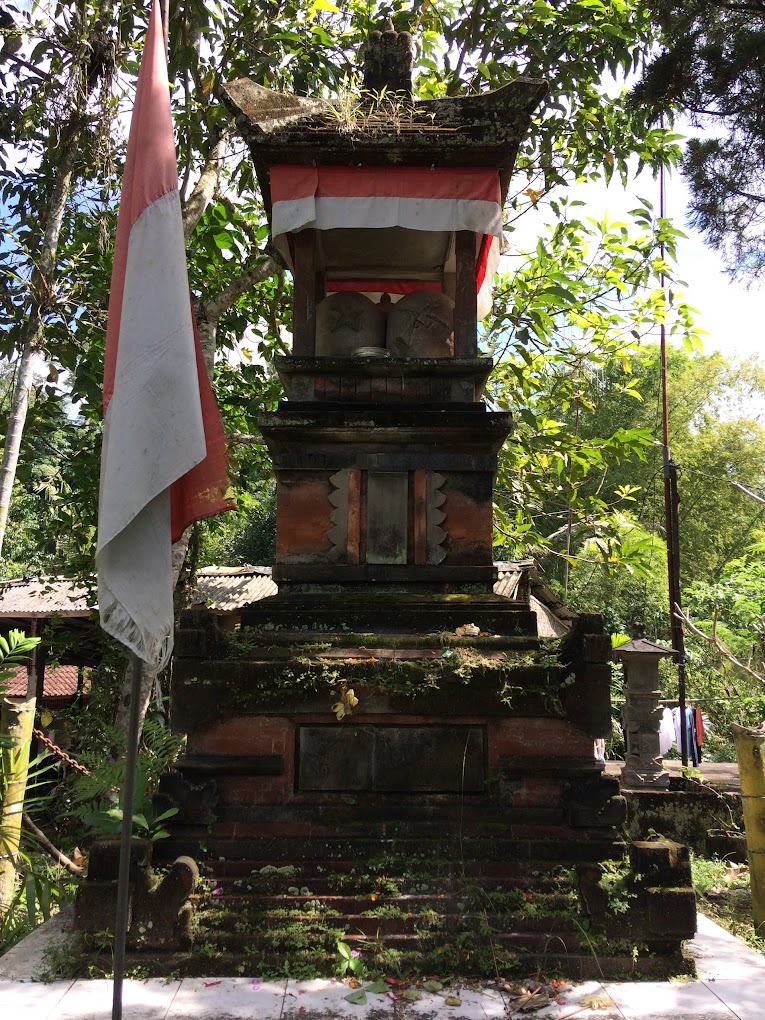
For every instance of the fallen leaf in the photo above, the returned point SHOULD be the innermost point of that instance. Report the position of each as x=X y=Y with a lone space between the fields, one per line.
x=393 y=981
x=432 y=986
x=529 y=1001
x=412 y=995
x=392 y=995
x=357 y=998
x=377 y=987
x=596 y=1002
x=211 y=984
x=452 y=1000
x=353 y=983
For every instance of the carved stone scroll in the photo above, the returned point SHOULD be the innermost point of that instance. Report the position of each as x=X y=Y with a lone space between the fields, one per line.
x=436 y=535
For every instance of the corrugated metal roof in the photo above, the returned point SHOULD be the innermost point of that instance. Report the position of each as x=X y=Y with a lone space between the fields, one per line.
x=226 y=589
x=60 y=681
x=43 y=596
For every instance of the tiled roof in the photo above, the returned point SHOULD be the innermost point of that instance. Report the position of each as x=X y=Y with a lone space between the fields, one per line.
x=43 y=596
x=227 y=589
x=518 y=579
x=60 y=681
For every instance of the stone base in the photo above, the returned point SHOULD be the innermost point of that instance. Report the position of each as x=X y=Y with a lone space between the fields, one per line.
x=644 y=779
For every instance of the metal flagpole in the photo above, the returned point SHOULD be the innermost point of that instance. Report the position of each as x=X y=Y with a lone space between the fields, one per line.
x=671 y=522
x=128 y=796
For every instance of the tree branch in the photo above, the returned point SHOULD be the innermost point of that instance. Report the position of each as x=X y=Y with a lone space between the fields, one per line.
x=713 y=640
x=50 y=849
x=264 y=267
x=205 y=188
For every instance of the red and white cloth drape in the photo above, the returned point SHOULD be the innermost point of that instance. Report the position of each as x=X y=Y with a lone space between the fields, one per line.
x=417 y=198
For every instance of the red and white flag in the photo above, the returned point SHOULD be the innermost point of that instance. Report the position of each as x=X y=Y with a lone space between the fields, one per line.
x=163 y=463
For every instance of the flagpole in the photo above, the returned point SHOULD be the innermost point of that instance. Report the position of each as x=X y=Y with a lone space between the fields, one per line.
x=128 y=797
x=164 y=10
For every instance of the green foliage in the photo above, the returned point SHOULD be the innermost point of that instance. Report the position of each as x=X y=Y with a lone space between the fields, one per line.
x=14 y=651
x=724 y=893
x=348 y=961
x=573 y=314
x=710 y=67
x=246 y=536
x=96 y=798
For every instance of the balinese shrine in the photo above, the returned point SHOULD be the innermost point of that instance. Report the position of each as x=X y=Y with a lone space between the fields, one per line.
x=385 y=753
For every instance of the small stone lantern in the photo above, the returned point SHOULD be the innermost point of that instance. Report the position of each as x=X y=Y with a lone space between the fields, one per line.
x=643 y=766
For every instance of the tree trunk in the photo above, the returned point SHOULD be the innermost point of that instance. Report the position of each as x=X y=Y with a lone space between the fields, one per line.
x=15 y=429
x=16 y=721
x=42 y=293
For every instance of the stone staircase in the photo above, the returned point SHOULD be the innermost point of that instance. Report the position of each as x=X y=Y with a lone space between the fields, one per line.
x=488 y=906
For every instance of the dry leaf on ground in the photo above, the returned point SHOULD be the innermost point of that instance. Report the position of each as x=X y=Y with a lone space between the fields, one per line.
x=596 y=1002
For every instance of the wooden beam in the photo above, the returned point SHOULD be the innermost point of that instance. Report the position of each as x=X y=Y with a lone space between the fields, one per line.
x=465 y=297
x=304 y=295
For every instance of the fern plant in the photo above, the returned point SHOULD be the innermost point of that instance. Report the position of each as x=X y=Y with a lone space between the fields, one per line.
x=97 y=797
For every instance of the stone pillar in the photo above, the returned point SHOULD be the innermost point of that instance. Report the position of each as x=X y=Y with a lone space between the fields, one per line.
x=643 y=766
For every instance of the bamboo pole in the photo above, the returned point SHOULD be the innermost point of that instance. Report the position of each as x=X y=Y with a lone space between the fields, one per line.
x=750 y=751
x=16 y=721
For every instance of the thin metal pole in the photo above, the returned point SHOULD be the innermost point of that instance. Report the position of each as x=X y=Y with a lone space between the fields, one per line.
x=128 y=796
x=671 y=517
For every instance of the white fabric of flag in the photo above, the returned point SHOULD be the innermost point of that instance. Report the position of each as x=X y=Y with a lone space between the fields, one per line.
x=154 y=431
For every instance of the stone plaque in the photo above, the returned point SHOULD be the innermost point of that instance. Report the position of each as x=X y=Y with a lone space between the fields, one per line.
x=391 y=759
x=387 y=516
x=335 y=758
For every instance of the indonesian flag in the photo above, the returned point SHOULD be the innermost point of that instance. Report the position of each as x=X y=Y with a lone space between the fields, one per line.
x=163 y=463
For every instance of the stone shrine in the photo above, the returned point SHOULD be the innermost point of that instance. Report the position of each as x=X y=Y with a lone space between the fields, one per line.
x=387 y=707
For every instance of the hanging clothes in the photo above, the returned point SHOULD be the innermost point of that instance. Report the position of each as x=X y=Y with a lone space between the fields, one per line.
x=690 y=734
x=666 y=731
x=698 y=726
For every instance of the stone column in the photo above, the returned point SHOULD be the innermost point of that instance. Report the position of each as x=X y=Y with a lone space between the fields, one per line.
x=643 y=766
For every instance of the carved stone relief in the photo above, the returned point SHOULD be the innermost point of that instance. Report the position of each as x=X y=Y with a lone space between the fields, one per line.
x=421 y=325
x=345 y=322
x=436 y=535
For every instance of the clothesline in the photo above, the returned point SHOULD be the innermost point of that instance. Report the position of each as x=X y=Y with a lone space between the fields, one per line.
x=674 y=701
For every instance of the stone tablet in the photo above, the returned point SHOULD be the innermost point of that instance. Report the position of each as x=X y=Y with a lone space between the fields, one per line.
x=345 y=322
x=421 y=325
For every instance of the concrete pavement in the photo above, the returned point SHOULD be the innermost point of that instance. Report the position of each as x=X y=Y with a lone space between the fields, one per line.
x=731 y=985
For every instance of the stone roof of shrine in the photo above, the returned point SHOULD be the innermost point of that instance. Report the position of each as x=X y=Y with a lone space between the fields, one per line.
x=483 y=130
x=472 y=130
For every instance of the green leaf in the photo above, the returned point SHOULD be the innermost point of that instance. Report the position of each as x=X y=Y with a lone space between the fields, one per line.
x=412 y=995
x=378 y=987
x=357 y=997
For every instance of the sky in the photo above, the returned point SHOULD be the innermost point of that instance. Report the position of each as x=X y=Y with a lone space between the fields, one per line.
x=731 y=313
